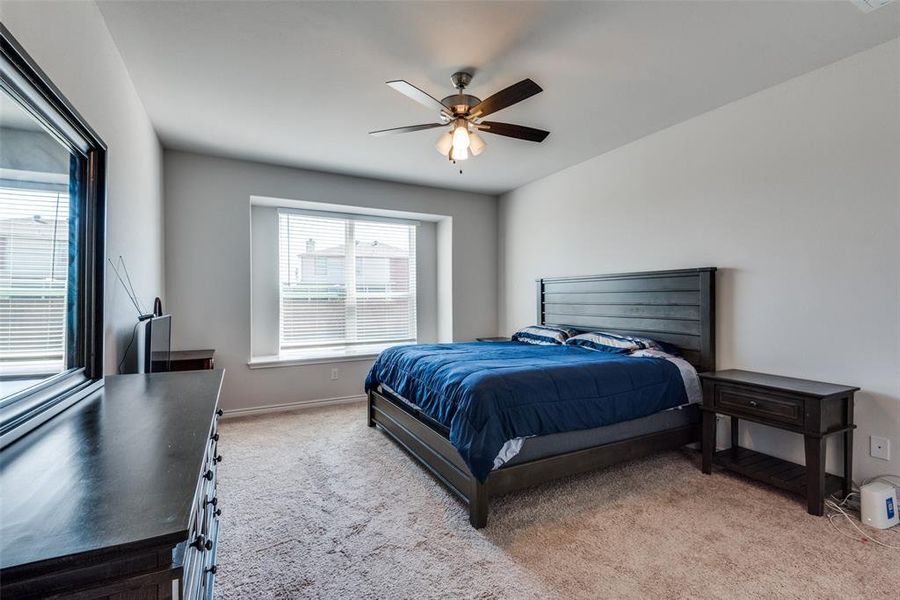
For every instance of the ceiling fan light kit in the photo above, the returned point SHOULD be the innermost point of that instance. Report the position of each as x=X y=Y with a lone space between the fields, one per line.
x=476 y=144
x=463 y=114
x=444 y=144
x=460 y=135
x=458 y=154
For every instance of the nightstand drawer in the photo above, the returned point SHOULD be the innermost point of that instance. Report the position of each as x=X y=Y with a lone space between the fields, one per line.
x=765 y=406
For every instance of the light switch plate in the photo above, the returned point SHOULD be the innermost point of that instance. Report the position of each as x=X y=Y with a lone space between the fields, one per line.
x=879 y=447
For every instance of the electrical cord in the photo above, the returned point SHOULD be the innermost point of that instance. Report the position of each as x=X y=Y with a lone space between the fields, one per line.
x=128 y=347
x=846 y=500
x=838 y=507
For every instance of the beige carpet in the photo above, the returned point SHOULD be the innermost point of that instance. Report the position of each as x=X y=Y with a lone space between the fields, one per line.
x=317 y=505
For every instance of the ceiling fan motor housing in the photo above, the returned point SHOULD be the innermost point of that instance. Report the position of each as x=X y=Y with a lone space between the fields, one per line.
x=461 y=79
x=460 y=103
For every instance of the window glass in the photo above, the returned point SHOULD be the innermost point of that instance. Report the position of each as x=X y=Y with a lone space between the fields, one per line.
x=38 y=238
x=345 y=280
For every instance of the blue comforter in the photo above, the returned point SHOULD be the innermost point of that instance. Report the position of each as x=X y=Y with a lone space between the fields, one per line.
x=487 y=393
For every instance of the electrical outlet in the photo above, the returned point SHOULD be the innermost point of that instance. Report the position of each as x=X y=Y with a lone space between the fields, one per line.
x=879 y=447
x=334 y=374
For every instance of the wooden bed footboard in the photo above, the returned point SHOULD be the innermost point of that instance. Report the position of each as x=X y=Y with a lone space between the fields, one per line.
x=436 y=453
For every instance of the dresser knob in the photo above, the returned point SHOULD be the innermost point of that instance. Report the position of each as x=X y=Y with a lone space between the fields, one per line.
x=201 y=543
x=214 y=437
x=218 y=512
x=212 y=569
x=219 y=412
x=753 y=403
x=218 y=459
x=208 y=475
x=214 y=501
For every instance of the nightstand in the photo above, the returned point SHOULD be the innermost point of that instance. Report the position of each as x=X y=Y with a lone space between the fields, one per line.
x=813 y=409
x=492 y=339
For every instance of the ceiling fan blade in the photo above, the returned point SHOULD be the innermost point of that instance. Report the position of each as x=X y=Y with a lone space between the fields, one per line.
x=506 y=97
x=406 y=129
x=514 y=131
x=414 y=93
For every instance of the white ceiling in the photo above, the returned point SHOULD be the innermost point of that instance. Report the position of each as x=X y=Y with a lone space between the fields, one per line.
x=301 y=83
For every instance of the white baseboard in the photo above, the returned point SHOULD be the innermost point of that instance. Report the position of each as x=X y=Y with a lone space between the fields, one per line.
x=298 y=405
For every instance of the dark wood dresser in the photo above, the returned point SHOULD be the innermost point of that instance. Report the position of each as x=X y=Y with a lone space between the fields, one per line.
x=814 y=409
x=115 y=498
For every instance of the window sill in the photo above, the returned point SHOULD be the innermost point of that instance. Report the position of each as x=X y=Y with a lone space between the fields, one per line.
x=318 y=356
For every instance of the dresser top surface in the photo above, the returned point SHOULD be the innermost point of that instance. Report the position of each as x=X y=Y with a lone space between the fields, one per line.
x=118 y=469
x=777 y=382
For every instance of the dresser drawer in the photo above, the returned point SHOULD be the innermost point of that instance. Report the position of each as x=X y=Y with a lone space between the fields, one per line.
x=765 y=406
x=200 y=548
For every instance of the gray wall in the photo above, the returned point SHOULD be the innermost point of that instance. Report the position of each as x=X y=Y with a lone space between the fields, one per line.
x=70 y=42
x=793 y=192
x=208 y=274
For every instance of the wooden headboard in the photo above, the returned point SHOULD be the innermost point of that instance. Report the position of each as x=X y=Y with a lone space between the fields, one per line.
x=676 y=307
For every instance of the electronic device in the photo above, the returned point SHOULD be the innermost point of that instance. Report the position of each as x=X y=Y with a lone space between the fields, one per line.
x=878 y=505
x=154 y=343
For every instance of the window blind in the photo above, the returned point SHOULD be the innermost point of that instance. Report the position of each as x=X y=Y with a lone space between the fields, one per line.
x=345 y=281
x=34 y=263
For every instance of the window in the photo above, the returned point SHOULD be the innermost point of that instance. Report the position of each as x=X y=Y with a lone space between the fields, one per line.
x=345 y=280
x=34 y=265
x=52 y=168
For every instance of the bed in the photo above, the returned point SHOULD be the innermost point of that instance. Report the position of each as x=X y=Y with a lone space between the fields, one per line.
x=489 y=418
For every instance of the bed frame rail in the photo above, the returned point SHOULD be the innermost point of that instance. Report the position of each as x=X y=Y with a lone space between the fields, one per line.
x=436 y=454
x=433 y=450
x=673 y=306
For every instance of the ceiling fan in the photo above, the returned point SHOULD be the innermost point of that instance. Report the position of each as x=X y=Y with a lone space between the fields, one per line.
x=464 y=114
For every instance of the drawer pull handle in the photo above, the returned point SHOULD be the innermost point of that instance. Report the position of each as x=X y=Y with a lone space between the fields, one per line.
x=219 y=412
x=753 y=403
x=208 y=475
x=218 y=459
x=214 y=437
x=201 y=543
x=212 y=569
